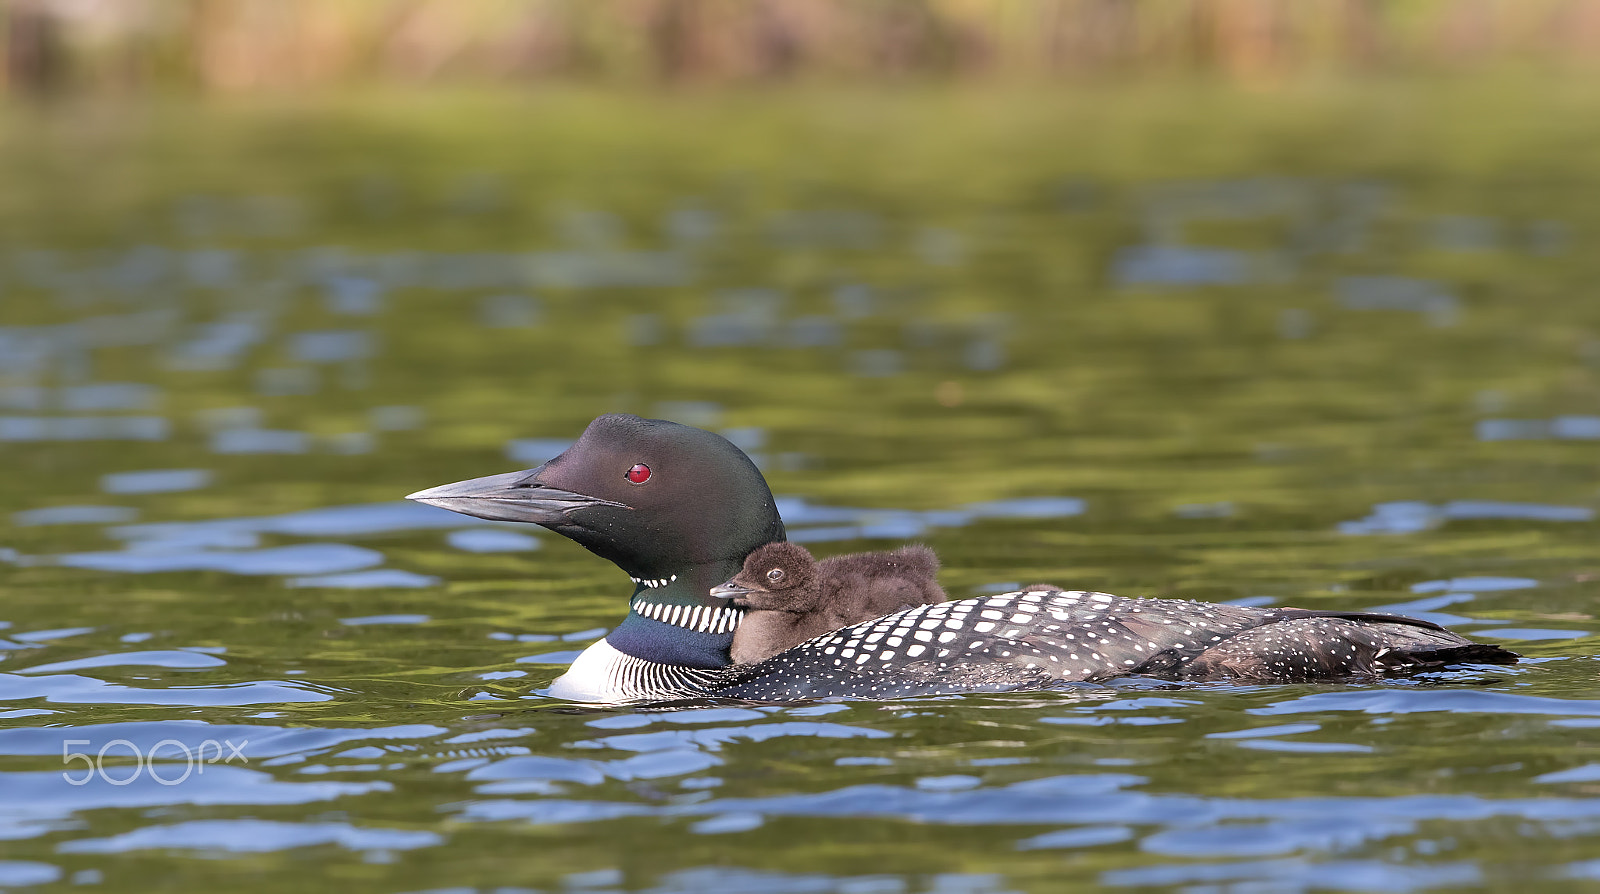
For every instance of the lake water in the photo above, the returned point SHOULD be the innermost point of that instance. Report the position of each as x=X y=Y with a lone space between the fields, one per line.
x=1334 y=348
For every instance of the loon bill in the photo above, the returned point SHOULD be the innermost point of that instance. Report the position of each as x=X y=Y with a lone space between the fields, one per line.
x=678 y=509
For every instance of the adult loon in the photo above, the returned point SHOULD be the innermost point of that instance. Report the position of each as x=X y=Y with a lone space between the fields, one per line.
x=792 y=597
x=678 y=509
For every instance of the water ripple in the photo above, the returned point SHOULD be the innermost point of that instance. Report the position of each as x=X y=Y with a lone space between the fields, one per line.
x=39 y=802
x=73 y=689
x=252 y=836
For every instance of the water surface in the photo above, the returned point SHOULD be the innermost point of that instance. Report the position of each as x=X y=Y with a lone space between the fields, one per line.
x=1312 y=350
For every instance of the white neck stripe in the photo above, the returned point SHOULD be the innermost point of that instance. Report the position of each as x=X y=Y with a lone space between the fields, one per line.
x=703 y=618
x=655 y=583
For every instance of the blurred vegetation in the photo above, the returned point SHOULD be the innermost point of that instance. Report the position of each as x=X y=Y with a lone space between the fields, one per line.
x=248 y=45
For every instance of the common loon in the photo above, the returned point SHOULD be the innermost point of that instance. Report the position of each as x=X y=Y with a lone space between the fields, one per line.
x=678 y=509
x=792 y=597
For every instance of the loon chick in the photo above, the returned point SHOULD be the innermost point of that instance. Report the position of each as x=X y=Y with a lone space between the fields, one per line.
x=793 y=597
x=678 y=509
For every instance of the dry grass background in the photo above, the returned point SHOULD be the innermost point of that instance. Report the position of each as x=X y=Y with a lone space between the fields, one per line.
x=290 y=45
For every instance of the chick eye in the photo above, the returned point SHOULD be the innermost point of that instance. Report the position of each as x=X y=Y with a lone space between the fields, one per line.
x=775 y=575
x=639 y=474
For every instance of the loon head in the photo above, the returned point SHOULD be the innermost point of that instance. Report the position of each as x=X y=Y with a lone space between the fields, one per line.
x=656 y=498
x=776 y=577
x=675 y=507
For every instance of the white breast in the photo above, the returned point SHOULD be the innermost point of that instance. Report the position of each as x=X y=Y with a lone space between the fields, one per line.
x=605 y=675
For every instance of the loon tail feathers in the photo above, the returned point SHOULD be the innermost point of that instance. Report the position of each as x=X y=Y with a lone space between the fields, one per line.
x=1312 y=645
x=1471 y=653
x=1444 y=646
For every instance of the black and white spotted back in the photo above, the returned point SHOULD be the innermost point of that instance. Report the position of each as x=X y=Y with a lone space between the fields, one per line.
x=993 y=643
x=1034 y=639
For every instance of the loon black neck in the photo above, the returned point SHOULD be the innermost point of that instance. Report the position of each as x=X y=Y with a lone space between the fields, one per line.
x=675 y=620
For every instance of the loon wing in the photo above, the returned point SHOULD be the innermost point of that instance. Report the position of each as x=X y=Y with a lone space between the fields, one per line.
x=1035 y=639
x=1023 y=640
x=1304 y=645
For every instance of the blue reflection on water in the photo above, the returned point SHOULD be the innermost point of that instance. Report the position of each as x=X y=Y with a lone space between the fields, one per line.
x=27 y=872
x=174 y=659
x=155 y=481
x=1473 y=509
x=40 y=802
x=1466 y=233
x=1028 y=507
x=252 y=836
x=353 y=295
x=726 y=823
x=563 y=657
x=1286 y=729
x=226 y=545
x=259 y=440
x=384 y=619
x=300 y=558
x=1176 y=265
x=1297 y=875
x=361 y=580
x=1410 y=701
x=1530 y=633
x=1585 y=773
x=108 y=396
x=1570 y=428
x=1084 y=836
x=1410 y=517
x=84 y=428
x=1475 y=584
x=75 y=515
x=73 y=689
x=1303 y=747
x=1078 y=799
x=331 y=346
x=218 y=345
x=35 y=636
x=492 y=540
x=1333 y=833
x=534 y=451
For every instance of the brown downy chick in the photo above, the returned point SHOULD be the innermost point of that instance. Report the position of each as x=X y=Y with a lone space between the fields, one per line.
x=792 y=597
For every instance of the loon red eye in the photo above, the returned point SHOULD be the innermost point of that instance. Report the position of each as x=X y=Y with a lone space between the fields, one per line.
x=639 y=474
